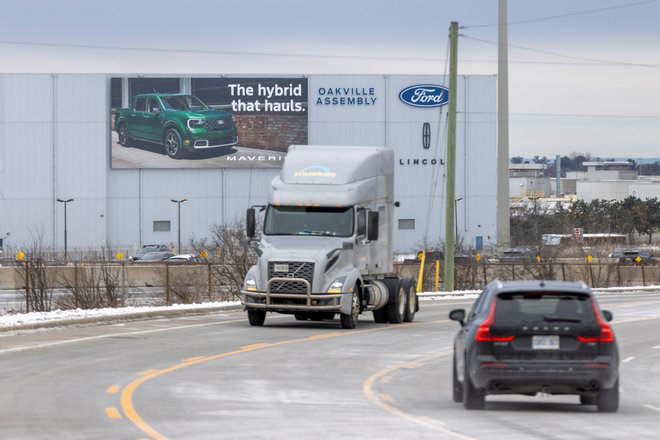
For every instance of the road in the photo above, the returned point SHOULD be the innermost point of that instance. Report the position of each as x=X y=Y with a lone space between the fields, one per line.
x=215 y=377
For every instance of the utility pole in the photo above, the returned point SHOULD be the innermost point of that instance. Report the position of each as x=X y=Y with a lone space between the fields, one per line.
x=450 y=184
x=503 y=225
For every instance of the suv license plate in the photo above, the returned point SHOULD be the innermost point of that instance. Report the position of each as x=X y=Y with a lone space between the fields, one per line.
x=545 y=342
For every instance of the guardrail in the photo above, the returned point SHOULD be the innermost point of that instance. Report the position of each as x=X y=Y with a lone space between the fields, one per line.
x=113 y=284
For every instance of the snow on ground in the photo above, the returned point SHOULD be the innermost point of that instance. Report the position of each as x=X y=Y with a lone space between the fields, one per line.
x=64 y=317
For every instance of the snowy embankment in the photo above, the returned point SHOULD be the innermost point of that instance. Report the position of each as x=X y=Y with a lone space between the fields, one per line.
x=58 y=318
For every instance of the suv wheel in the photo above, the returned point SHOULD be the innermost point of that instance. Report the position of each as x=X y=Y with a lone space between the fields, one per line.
x=608 y=399
x=472 y=397
x=457 y=389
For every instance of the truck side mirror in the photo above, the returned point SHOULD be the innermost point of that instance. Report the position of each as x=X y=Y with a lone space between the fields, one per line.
x=372 y=230
x=251 y=223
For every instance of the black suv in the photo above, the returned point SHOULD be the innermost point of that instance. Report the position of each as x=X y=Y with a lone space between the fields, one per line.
x=526 y=337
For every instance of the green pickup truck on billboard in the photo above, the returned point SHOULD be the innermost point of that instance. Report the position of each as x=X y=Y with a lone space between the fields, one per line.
x=181 y=123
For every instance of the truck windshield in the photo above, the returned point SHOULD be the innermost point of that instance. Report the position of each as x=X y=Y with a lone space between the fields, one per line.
x=299 y=220
x=182 y=102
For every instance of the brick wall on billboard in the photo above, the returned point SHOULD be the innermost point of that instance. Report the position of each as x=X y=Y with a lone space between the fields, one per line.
x=271 y=131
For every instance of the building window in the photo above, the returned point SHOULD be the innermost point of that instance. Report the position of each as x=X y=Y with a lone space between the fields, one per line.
x=161 y=226
x=406 y=223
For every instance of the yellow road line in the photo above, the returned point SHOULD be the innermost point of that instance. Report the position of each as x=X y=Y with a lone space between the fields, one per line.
x=384 y=400
x=126 y=398
x=113 y=413
x=193 y=359
x=114 y=389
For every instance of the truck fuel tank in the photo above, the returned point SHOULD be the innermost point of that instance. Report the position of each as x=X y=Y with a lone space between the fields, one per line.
x=377 y=294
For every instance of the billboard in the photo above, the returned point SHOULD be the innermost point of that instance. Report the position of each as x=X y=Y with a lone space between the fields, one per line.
x=206 y=122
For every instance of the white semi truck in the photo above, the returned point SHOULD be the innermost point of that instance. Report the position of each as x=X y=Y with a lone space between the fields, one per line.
x=326 y=243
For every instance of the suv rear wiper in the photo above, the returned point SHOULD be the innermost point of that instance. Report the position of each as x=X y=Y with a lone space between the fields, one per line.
x=551 y=318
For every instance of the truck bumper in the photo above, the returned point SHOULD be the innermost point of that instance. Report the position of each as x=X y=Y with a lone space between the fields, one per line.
x=291 y=301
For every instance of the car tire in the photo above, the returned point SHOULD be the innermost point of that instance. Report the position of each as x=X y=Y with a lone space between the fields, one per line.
x=349 y=320
x=124 y=138
x=256 y=318
x=173 y=144
x=457 y=387
x=411 y=300
x=608 y=399
x=396 y=306
x=472 y=397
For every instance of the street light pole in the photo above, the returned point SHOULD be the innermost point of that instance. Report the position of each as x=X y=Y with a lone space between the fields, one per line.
x=178 y=205
x=65 y=201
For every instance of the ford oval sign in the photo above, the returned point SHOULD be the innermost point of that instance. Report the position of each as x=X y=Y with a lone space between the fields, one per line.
x=425 y=95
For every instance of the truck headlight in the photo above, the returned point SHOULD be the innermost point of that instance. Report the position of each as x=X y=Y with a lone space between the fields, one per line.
x=337 y=285
x=194 y=124
x=251 y=284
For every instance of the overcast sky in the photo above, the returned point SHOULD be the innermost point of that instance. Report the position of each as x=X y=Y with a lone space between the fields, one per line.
x=584 y=75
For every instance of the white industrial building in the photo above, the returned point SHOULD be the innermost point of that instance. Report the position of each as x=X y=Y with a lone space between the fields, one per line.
x=55 y=143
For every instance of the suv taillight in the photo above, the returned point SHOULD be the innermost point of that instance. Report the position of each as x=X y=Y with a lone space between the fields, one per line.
x=483 y=332
x=606 y=334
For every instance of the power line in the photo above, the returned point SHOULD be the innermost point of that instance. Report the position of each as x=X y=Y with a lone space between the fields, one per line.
x=214 y=52
x=557 y=54
x=555 y=17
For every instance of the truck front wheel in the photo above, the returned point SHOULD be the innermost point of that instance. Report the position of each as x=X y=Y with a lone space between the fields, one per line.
x=256 y=317
x=350 y=320
x=173 y=144
x=124 y=138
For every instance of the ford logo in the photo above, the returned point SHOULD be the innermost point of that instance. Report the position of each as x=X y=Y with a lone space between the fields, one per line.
x=425 y=95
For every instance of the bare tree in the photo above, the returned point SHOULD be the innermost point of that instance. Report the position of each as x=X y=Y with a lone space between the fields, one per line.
x=229 y=253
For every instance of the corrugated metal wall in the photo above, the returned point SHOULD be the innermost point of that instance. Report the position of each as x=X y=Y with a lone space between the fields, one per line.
x=54 y=143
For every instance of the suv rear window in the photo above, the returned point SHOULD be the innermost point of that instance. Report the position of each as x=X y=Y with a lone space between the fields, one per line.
x=543 y=306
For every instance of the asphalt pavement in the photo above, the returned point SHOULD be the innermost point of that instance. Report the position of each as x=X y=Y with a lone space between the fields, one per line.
x=215 y=377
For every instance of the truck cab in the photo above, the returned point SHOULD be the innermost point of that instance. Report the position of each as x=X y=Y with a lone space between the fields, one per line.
x=326 y=242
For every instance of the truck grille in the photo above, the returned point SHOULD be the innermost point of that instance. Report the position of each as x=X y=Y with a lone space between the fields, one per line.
x=295 y=270
x=215 y=124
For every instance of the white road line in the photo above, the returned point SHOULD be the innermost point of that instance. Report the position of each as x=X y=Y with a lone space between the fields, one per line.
x=628 y=359
x=654 y=408
x=112 y=335
x=657 y=346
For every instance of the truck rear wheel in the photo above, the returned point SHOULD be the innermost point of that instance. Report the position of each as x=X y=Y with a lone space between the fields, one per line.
x=256 y=317
x=411 y=300
x=124 y=138
x=173 y=144
x=350 y=320
x=396 y=306
x=380 y=315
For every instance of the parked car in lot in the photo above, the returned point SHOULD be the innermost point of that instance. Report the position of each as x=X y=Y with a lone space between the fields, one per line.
x=184 y=258
x=155 y=257
x=528 y=337
x=634 y=256
x=519 y=255
x=146 y=249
